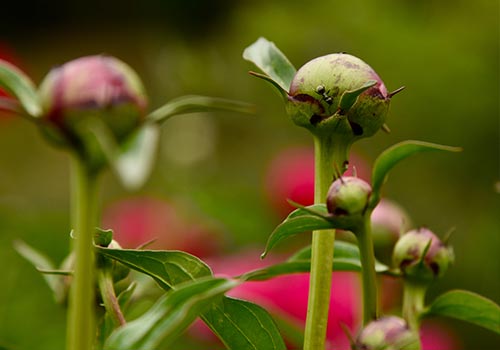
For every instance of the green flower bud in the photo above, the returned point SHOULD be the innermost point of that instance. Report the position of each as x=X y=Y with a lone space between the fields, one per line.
x=338 y=94
x=387 y=333
x=348 y=196
x=421 y=256
x=100 y=87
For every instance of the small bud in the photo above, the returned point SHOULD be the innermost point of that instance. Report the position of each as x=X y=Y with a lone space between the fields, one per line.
x=94 y=86
x=119 y=270
x=421 y=256
x=387 y=333
x=338 y=94
x=348 y=196
x=388 y=222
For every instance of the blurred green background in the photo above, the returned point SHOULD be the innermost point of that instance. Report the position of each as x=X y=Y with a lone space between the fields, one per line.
x=446 y=53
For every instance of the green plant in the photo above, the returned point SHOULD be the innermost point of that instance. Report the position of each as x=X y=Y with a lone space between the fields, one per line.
x=102 y=121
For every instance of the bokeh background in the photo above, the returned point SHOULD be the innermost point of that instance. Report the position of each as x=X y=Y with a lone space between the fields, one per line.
x=213 y=167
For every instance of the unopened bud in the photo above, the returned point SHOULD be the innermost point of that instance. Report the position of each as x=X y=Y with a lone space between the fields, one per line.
x=421 y=256
x=348 y=196
x=387 y=333
x=93 y=87
x=338 y=94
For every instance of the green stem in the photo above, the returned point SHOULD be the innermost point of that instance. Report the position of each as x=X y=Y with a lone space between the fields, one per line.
x=330 y=158
x=105 y=281
x=413 y=304
x=369 y=276
x=81 y=330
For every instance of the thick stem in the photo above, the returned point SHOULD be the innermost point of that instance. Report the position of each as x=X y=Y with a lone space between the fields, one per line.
x=369 y=276
x=105 y=281
x=81 y=332
x=413 y=304
x=330 y=158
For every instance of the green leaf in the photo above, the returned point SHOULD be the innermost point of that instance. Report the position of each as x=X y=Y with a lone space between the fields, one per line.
x=20 y=85
x=270 y=60
x=319 y=210
x=193 y=104
x=243 y=325
x=42 y=262
x=170 y=315
x=167 y=268
x=342 y=250
x=305 y=219
x=294 y=225
x=345 y=258
x=467 y=306
x=136 y=157
x=171 y=268
x=392 y=156
x=103 y=237
x=131 y=161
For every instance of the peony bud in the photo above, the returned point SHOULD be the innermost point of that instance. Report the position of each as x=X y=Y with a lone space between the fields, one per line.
x=387 y=333
x=348 y=196
x=290 y=175
x=338 y=94
x=93 y=87
x=421 y=256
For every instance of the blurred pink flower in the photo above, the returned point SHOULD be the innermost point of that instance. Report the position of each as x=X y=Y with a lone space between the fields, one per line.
x=290 y=175
x=286 y=296
x=437 y=336
x=138 y=220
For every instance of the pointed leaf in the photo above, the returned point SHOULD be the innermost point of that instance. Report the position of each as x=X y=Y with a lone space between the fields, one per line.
x=268 y=58
x=170 y=315
x=319 y=210
x=167 y=268
x=467 y=306
x=293 y=226
x=193 y=104
x=42 y=262
x=172 y=268
x=135 y=160
x=20 y=85
x=341 y=250
x=393 y=155
x=349 y=97
x=345 y=258
x=243 y=325
x=305 y=219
